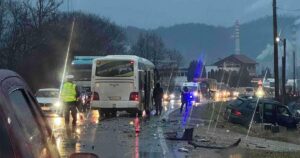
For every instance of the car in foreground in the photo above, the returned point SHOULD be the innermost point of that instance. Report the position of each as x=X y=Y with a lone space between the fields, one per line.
x=242 y=110
x=48 y=100
x=24 y=131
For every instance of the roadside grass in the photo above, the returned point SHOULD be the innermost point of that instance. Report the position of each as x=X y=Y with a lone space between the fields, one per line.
x=257 y=130
x=255 y=153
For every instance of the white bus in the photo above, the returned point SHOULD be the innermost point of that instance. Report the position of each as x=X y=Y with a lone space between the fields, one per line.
x=122 y=83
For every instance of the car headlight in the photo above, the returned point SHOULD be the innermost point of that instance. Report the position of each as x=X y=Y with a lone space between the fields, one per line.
x=235 y=94
x=195 y=94
x=172 y=96
x=57 y=104
x=166 y=96
x=260 y=93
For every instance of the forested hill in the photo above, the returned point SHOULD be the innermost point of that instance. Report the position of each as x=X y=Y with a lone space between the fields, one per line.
x=215 y=41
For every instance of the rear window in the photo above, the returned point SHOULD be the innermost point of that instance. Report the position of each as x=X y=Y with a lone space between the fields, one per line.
x=249 y=89
x=236 y=102
x=114 y=68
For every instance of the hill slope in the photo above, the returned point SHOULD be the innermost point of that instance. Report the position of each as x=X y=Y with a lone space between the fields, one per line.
x=214 y=42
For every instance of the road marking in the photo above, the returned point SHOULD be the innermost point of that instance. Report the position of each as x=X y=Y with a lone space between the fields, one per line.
x=162 y=141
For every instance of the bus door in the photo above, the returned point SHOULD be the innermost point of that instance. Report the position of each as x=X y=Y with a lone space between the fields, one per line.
x=147 y=88
x=142 y=87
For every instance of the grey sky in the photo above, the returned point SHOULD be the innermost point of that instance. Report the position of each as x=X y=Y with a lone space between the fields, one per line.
x=155 y=13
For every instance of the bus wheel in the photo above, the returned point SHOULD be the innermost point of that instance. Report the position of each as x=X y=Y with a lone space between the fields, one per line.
x=102 y=113
x=113 y=113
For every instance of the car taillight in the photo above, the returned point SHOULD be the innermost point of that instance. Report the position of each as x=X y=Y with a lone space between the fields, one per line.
x=95 y=96
x=236 y=112
x=134 y=96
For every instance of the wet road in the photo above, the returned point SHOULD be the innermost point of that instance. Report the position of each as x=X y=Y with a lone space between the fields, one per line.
x=113 y=137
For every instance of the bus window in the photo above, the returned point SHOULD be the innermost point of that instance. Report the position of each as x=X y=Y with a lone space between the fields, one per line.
x=115 y=69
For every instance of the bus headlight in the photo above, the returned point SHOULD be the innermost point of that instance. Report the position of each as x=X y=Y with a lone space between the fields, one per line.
x=57 y=104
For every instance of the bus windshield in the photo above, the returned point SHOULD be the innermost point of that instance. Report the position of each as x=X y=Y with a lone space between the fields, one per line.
x=114 y=68
x=82 y=72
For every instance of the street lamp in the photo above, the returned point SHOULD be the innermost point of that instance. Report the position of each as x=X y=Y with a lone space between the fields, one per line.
x=278 y=39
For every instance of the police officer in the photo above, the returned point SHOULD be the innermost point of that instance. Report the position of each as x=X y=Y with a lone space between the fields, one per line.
x=69 y=97
x=184 y=98
x=158 y=93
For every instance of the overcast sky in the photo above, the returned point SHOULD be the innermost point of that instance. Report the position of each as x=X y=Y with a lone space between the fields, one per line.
x=155 y=13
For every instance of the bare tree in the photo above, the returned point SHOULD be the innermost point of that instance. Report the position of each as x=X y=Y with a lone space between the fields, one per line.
x=149 y=46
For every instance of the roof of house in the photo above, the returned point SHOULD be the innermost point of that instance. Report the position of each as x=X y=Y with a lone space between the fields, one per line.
x=237 y=57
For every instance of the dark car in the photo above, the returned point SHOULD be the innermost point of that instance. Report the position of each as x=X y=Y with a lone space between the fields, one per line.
x=24 y=131
x=242 y=110
x=295 y=109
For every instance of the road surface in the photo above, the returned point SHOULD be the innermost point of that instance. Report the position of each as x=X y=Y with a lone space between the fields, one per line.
x=116 y=137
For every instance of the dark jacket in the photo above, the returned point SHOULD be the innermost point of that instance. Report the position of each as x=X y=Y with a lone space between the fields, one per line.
x=158 y=93
x=185 y=96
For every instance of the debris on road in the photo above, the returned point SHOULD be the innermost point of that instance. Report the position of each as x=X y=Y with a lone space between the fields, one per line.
x=187 y=135
x=203 y=140
x=209 y=146
x=183 y=149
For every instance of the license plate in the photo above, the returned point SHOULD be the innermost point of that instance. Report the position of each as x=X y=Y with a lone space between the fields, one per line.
x=46 y=108
x=115 y=98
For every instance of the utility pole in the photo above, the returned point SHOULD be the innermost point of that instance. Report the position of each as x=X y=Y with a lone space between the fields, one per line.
x=275 y=51
x=294 y=72
x=283 y=71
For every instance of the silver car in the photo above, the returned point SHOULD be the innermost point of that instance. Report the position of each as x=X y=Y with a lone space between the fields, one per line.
x=48 y=100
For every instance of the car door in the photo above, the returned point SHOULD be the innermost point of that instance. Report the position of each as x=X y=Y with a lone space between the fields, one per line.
x=284 y=117
x=28 y=127
x=6 y=145
x=269 y=115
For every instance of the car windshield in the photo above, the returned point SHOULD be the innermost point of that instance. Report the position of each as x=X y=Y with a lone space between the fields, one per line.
x=47 y=94
x=192 y=88
x=129 y=62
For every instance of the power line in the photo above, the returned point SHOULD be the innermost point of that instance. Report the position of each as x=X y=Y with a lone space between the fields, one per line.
x=289 y=10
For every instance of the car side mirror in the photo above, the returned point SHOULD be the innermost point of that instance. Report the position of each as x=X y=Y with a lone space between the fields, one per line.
x=84 y=155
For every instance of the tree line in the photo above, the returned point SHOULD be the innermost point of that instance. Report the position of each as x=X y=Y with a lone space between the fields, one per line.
x=34 y=36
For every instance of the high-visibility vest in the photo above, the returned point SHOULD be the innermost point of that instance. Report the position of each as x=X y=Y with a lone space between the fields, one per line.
x=68 y=93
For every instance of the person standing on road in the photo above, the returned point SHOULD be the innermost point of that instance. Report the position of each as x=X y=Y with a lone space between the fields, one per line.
x=69 y=96
x=158 y=93
x=184 y=98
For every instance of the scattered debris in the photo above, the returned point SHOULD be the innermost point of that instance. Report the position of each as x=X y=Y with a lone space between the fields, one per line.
x=260 y=146
x=203 y=140
x=209 y=146
x=183 y=149
x=227 y=130
x=187 y=135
